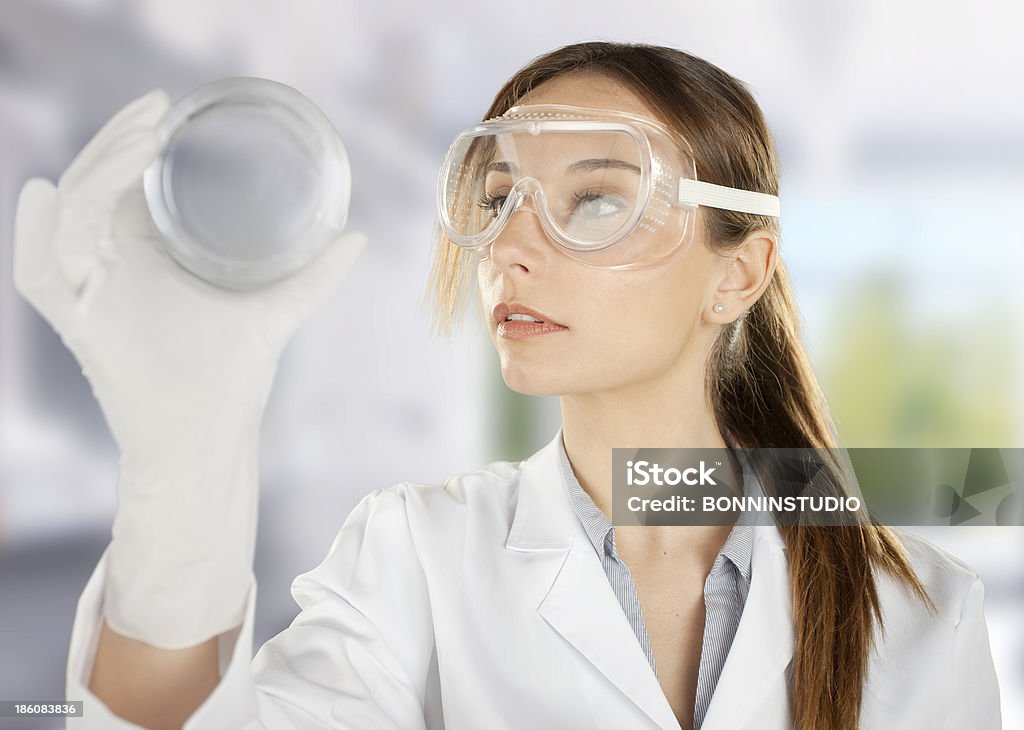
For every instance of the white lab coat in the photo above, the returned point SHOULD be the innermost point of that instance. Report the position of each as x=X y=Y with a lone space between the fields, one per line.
x=482 y=604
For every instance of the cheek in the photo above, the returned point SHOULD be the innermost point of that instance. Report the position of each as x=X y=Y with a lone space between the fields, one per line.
x=640 y=324
x=488 y=285
x=647 y=303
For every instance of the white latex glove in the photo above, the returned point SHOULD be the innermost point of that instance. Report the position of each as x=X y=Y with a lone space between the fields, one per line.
x=181 y=369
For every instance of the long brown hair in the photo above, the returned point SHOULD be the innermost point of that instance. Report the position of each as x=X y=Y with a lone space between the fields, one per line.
x=758 y=378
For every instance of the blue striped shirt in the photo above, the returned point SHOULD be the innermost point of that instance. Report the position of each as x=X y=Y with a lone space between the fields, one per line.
x=725 y=589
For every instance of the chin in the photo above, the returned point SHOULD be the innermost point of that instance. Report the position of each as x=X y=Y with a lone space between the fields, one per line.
x=538 y=384
x=548 y=382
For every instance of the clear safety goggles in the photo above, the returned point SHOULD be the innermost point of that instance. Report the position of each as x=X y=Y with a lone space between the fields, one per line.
x=611 y=189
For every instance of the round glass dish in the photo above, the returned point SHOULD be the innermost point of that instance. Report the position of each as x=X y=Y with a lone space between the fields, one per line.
x=252 y=182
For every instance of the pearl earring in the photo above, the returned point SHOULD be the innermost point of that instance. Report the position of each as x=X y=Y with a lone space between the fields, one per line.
x=719 y=308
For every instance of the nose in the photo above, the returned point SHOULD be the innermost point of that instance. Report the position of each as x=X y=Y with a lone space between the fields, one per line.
x=522 y=244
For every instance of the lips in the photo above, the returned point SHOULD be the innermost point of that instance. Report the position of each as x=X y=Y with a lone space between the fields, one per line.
x=502 y=311
x=519 y=322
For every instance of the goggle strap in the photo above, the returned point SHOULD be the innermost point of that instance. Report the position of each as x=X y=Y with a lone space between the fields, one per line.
x=697 y=192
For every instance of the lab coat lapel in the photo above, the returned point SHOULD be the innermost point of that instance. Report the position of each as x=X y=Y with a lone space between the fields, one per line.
x=755 y=672
x=582 y=607
x=580 y=604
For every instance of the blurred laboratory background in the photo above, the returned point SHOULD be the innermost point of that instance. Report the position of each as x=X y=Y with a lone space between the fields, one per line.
x=901 y=132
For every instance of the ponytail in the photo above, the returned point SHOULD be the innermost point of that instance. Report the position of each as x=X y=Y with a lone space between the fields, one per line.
x=764 y=392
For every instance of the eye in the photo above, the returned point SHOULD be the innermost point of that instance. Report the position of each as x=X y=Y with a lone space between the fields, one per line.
x=594 y=205
x=492 y=202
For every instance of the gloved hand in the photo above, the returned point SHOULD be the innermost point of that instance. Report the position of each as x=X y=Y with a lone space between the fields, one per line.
x=181 y=369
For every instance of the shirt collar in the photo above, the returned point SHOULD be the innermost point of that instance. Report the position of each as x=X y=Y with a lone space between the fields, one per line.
x=595 y=523
x=738 y=547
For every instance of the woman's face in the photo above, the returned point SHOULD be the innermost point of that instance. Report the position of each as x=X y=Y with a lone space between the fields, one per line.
x=618 y=328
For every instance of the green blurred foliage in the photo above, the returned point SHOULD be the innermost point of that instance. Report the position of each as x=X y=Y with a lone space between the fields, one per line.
x=893 y=381
x=516 y=419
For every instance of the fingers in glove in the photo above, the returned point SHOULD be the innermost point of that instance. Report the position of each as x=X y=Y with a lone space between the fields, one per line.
x=122 y=163
x=134 y=241
x=84 y=227
x=131 y=217
x=35 y=267
x=144 y=113
x=61 y=233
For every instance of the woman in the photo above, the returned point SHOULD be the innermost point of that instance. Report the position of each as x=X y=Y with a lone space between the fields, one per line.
x=504 y=597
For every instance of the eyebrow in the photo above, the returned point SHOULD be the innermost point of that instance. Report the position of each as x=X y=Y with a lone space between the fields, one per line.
x=596 y=164
x=574 y=168
x=505 y=167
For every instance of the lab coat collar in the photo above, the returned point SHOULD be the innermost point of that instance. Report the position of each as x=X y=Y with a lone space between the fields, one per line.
x=581 y=606
x=544 y=519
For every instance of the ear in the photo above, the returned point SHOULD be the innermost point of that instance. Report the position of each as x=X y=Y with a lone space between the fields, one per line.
x=745 y=274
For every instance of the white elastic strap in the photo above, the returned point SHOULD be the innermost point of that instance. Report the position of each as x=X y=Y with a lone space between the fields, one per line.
x=695 y=192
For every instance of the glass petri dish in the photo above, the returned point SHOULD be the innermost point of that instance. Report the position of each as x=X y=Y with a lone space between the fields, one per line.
x=252 y=182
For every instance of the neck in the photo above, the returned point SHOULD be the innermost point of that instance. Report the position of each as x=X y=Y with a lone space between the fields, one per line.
x=673 y=415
